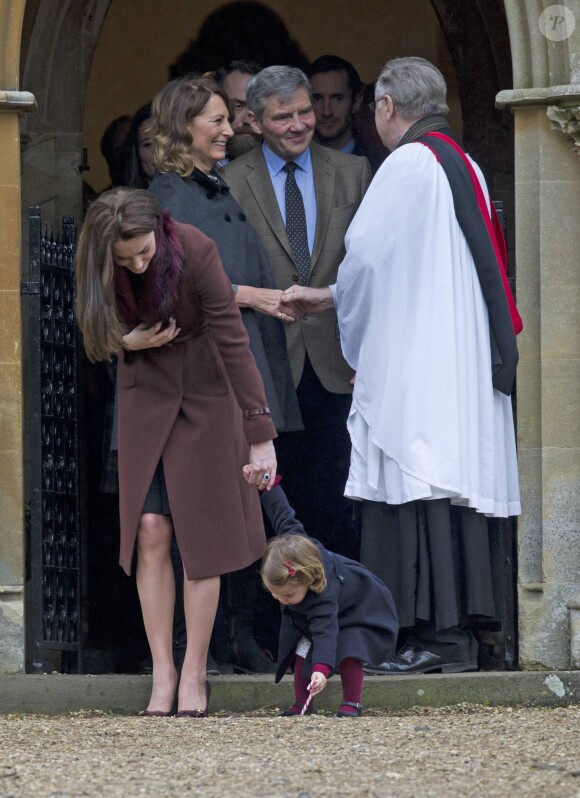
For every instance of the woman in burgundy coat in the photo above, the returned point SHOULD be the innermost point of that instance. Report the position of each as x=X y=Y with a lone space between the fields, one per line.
x=192 y=412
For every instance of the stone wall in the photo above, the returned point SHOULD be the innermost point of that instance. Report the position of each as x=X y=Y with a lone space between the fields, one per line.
x=545 y=102
x=11 y=478
x=547 y=191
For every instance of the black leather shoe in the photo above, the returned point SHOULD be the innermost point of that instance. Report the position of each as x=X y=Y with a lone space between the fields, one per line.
x=245 y=656
x=358 y=710
x=413 y=660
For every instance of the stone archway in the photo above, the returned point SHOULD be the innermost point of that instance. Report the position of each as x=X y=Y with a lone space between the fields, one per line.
x=56 y=39
x=55 y=64
x=61 y=37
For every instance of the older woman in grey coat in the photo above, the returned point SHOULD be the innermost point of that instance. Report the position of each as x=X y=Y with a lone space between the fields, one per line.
x=190 y=122
x=191 y=128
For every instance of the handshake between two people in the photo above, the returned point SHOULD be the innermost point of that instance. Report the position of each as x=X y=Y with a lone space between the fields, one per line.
x=302 y=299
x=288 y=306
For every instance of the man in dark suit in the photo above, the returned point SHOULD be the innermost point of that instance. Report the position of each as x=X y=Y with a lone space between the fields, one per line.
x=300 y=199
x=337 y=93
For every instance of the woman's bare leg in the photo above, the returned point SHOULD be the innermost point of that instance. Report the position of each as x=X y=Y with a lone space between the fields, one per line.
x=200 y=599
x=156 y=587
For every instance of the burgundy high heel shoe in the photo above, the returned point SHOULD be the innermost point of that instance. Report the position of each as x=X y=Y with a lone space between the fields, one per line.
x=197 y=713
x=157 y=713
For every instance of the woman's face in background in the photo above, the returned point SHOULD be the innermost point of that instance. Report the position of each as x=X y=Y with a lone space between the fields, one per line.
x=145 y=149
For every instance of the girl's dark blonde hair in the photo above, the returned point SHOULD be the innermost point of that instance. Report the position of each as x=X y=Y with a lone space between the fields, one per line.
x=172 y=111
x=293 y=560
x=117 y=215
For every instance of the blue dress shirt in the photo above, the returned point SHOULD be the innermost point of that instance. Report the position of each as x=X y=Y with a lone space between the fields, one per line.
x=305 y=181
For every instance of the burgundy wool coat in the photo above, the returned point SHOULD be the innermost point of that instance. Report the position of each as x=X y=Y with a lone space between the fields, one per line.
x=190 y=403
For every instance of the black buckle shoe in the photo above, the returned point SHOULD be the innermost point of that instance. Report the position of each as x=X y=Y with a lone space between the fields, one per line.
x=413 y=660
x=358 y=710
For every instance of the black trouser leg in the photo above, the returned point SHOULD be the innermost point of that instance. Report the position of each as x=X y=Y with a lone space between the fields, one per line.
x=314 y=465
x=233 y=641
x=456 y=643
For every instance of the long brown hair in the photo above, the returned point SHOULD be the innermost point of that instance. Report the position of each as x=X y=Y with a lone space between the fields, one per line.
x=172 y=110
x=117 y=215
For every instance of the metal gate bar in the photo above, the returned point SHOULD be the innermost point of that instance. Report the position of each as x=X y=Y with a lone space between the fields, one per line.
x=54 y=539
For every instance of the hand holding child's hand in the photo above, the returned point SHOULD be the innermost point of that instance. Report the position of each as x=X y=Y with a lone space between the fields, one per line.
x=317 y=682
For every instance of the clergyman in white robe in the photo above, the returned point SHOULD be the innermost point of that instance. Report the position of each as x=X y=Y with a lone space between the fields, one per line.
x=426 y=423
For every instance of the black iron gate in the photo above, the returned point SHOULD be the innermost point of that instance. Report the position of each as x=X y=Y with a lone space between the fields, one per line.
x=54 y=600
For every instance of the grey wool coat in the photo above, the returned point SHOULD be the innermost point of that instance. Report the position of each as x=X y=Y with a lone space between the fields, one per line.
x=206 y=203
x=354 y=616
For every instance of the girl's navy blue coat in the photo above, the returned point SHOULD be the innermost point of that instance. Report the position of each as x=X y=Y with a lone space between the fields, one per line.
x=353 y=617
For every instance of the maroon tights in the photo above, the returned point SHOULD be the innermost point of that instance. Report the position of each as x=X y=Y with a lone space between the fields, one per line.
x=351 y=677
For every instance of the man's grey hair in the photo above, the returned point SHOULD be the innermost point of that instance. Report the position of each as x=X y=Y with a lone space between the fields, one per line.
x=281 y=81
x=416 y=87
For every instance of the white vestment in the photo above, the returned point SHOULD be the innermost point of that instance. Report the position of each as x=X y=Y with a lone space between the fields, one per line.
x=426 y=422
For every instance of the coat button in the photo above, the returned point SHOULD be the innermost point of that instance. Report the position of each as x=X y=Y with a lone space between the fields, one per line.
x=305 y=317
x=242 y=217
x=227 y=217
x=295 y=278
x=340 y=578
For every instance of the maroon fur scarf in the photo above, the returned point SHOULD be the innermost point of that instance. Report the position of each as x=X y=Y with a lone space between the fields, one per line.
x=152 y=296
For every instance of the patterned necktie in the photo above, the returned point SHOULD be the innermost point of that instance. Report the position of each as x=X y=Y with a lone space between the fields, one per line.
x=296 y=224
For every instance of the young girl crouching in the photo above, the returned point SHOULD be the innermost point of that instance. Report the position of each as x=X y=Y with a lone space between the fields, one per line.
x=335 y=615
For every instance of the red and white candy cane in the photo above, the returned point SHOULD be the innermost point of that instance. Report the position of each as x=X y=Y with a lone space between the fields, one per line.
x=307 y=704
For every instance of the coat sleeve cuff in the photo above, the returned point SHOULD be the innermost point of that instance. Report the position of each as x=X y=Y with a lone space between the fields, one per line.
x=325 y=670
x=258 y=427
x=257 y=411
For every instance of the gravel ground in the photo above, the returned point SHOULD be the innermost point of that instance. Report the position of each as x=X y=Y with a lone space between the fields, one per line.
x=457 y=751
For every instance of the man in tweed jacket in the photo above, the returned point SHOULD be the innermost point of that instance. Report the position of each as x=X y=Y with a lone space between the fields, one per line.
x=314 y=462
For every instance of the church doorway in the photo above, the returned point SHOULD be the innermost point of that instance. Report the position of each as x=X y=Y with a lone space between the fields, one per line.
x=126 y=50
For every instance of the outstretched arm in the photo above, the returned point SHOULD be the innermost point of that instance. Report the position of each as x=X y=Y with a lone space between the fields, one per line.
x=265 y=300
x=280 y=513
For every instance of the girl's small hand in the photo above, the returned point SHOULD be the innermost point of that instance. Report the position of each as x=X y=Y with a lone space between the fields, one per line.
x=317 y=682
x=144 y=337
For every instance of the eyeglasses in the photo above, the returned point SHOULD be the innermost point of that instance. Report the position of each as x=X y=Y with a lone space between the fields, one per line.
x=373 y=105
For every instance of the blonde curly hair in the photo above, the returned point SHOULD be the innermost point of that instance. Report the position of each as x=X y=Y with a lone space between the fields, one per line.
x=293 y=560
x=172 y=111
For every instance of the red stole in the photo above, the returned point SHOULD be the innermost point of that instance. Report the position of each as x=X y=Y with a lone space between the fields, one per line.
x=492 y=224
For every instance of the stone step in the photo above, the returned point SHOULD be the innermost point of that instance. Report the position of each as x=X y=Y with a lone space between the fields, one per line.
x=55 y=694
